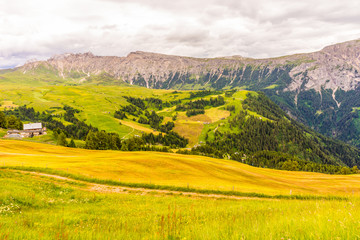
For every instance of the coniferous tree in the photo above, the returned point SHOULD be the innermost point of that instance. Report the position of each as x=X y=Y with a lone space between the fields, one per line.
x=102 y=140
x=3 y=122
x=14 y=123
x=91 y=141
x=62 y=140
x=72 y=144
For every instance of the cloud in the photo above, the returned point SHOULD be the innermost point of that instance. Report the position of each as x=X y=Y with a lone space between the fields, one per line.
x=211 y=28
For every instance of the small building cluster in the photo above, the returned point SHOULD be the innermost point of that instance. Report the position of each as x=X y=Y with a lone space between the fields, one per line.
x=30 y=130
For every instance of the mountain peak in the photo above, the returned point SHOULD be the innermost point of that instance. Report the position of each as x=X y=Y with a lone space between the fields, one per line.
x=71 y=55
x=343 y=45
x=336 y=66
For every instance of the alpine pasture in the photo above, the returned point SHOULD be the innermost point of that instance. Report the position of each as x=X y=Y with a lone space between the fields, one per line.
x=35 y=206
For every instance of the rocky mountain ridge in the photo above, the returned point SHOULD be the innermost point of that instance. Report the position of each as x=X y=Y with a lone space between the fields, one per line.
x=336 y=66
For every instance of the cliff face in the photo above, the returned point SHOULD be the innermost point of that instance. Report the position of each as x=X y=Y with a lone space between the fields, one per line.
x=151 y=68
x=336 y=66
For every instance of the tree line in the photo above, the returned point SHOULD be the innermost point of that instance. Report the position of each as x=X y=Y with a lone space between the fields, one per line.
x=201 y=104
x=144 y=116
x=94 y=139
x=10 y=122
x=197 y=107
x=76 y=130
x=102 y=140
x=203 y=93
x=151 y=102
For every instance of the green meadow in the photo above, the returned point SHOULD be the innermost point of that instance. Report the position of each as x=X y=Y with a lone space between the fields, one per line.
x=40 y=207
x=97 y=105
x=52 y=192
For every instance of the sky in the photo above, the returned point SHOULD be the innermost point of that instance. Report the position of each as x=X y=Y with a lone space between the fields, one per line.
x=39 y=29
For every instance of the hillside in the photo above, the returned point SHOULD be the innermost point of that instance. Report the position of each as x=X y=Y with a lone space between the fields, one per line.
x=318 y=89
x=238 y=125
x=258 y=132
x=174 y=170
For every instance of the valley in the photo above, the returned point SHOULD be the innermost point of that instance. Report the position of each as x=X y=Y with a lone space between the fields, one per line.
x=179 y=120
x=186 y=149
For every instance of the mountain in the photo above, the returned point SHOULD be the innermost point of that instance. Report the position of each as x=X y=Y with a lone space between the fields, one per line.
x=319 y=89
x=334 y=67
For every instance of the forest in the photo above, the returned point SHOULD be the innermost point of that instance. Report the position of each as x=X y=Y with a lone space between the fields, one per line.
x=273 y=140
x=276 y=142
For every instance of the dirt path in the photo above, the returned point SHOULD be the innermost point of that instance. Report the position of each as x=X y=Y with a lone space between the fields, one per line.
x=128 y=133
x=102 y=188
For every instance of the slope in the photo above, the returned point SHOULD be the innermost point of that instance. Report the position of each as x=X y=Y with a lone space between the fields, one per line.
x=258 y=132
x=174 y=169
x=225 y=124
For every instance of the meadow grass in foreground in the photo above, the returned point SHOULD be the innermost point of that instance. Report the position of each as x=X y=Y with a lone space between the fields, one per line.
x=167 y=187
x=33 y=207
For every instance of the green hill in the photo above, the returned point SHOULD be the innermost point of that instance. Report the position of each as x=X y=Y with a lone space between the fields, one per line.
x=239 y=125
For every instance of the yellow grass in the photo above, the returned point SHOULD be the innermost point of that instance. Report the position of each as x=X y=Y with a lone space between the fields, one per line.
x=216 y=114
x=7 y=105
x=138 y=127
x=174 y=169
x=190 y=127
x=190 y=130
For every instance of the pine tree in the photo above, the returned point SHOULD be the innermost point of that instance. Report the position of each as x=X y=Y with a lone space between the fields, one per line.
x=62 y=140
x=14 y=123
x=103 y=140
x=72 y=143
x=91 y=141
x=3 y=122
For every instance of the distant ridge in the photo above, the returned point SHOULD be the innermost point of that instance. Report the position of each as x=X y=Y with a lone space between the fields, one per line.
x=335 y=66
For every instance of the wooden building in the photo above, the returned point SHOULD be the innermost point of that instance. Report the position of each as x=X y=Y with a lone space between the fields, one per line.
x=30 y=130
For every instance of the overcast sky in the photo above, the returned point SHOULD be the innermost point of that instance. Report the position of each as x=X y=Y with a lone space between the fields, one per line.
x=38 y=29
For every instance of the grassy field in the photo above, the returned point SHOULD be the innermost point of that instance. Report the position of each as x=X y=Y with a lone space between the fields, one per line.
x=137 y=126
x=7 y=105
x=175 y=170
x=39 y=207
x=97 y=104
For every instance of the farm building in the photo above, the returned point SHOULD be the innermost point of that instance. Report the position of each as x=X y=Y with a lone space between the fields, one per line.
x=33 y=129
x=30 y=130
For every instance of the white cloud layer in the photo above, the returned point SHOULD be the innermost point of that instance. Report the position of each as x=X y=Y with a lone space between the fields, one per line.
x=197 y=28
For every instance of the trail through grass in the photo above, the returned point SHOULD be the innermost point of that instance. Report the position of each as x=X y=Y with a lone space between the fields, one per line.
x=39 y=207
x=175 y=170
